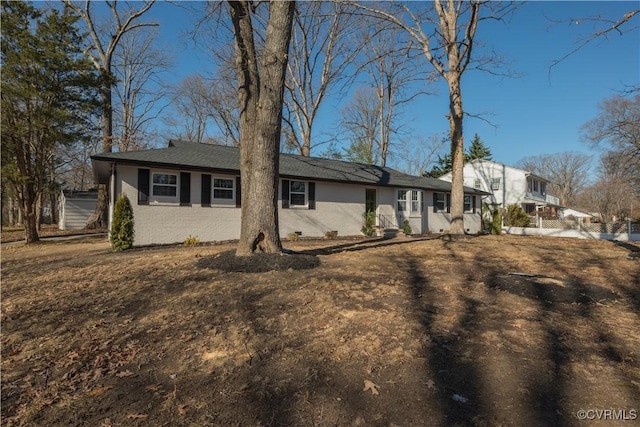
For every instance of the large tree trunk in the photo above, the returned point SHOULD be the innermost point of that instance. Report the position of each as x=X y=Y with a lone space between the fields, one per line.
x=261 y=93
x=96 y=220
x=457 y=155
x=28 y=207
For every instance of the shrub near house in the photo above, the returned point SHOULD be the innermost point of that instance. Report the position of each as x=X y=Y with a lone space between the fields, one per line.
x=122 y=230
x=516 y=217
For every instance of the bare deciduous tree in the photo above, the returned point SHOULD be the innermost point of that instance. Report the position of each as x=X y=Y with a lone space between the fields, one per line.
x=261 y=82
x=567 y=172
x=613 y=195
x=322 y=47
x=414 y=157
x=138 y=67
x=445 y=35
x=616 y=129
x=104 y=40
x=391 y=67
x=191 y=103
x=602 y=28
x=360 y=121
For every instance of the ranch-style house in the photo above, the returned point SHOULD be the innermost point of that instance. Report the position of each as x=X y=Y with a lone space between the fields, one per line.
x=192 y=189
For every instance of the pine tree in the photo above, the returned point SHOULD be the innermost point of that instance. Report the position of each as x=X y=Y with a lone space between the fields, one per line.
x=477 y=150
x=442 y=167
x=48 y=95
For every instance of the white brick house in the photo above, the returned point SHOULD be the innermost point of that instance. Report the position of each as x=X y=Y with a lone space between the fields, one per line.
x=190 y=189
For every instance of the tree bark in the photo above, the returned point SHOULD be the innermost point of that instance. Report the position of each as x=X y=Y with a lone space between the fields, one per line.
x=457 y=155
x=261 y=92
x=96 y=220
x=28 y=207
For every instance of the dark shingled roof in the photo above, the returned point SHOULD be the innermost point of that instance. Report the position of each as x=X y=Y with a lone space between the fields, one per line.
x=220 y=158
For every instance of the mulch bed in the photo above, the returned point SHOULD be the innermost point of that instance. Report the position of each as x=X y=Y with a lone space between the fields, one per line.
x=260 y=262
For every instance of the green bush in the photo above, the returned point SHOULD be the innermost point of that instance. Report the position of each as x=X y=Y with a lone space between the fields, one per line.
x=516 y=217
x=191 y=241
x=122 y=231
x=406 y=227
x=369 y=223
x=496 y=222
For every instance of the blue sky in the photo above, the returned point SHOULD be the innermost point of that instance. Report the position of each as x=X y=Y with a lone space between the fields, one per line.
x=538 y=112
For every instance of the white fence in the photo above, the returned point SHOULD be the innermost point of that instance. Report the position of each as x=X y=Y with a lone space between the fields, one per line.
x=624 y=231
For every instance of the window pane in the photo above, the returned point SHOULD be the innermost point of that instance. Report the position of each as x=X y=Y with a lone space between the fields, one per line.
x=495 y=184
x=297 y=199
x=467 y=203
x=222 y=183
x=440 y=202
x=415 y=203
x=164 y=190
x=402 y=195
x=297 y=186
x=222 y=194
x=163 y=178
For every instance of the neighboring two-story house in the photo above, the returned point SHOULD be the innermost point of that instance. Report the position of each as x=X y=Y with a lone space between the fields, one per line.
x=508 y=186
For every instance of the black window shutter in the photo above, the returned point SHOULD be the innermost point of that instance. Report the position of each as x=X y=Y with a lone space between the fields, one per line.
x=448 y=203
x=185 y=188
x=312 y=195
x=285 y=193
x=238 y=192
x=205 y=198
x=143 y=186
x=474 y=203
x=435 y=202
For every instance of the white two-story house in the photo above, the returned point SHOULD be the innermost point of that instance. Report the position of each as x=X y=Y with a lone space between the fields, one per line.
x=508 y=186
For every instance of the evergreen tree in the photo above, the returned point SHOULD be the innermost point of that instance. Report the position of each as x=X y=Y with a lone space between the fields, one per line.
x=442 y=167
x=122 y=229
x=48 y=94
x=477 y=150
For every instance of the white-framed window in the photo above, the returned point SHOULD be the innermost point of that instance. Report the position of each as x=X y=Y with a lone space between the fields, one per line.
x=535 y=186
x=298 y=193
x=543 y=188
x=223 y=189
x=164 y=185
x=477 y=184
x=402 y=200
x=415 y=201
x=495 y=183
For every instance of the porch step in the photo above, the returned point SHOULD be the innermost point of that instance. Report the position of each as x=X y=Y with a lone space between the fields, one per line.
x=387 y=232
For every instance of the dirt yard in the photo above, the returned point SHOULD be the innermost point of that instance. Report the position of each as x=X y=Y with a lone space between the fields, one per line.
x=483 y=331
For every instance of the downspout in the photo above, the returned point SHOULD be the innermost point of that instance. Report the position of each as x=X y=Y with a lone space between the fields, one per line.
x=504 y=191
x=112 y=195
